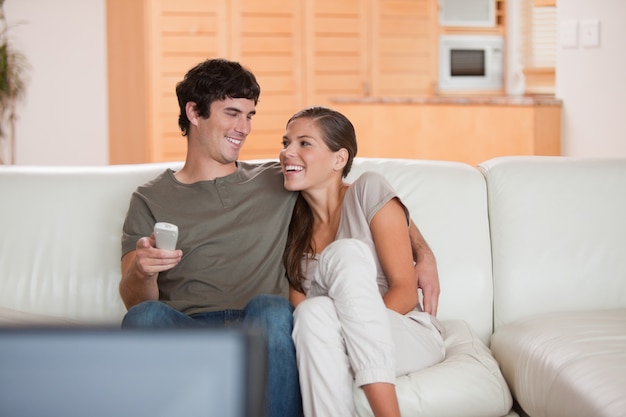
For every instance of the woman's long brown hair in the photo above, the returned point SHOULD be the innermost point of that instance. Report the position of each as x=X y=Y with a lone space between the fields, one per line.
x=337 y=132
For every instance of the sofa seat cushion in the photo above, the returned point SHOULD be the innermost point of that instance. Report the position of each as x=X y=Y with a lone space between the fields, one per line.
x=468 y=383
x=566 y=364
x=11 y=318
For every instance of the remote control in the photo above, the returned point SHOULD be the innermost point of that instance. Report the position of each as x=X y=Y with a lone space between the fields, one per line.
x=166 y=235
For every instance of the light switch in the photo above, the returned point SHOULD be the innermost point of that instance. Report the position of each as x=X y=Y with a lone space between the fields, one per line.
x=590 y=33
x=568 y=34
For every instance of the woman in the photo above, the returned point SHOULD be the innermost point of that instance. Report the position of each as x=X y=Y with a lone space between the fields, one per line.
x=350 y=267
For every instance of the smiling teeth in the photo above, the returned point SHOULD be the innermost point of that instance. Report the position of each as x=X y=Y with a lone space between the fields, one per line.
x=235 y=141
x=293 y=168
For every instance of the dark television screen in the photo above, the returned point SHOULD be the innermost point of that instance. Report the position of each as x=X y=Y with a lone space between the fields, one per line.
x=112 y=372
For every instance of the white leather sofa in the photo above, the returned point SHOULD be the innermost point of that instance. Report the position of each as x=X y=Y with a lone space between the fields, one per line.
x=558 y=239
x=531 y=254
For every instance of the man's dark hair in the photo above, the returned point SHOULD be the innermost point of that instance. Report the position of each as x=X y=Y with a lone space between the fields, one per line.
x=211 y=80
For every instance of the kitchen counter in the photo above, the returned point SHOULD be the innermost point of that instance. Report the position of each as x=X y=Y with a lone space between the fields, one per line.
x=479 y=100
x=468 y=129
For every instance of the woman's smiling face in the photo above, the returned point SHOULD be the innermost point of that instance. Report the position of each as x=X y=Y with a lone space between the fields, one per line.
x=306 y=160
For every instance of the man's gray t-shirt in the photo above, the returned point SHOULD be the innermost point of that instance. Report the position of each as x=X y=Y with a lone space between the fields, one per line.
x=232 y=231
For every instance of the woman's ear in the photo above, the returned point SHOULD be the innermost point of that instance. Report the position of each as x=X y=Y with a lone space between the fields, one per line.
x=341 y=159
x=192 y=113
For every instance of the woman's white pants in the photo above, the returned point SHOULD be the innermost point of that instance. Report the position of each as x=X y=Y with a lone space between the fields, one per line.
x=344 y=334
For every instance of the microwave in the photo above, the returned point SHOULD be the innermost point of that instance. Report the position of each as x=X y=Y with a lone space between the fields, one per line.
x=471 y=62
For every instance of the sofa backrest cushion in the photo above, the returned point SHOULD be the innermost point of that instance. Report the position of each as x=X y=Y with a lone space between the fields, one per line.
x=558 y=233
x=60 y=243
x=447 y=201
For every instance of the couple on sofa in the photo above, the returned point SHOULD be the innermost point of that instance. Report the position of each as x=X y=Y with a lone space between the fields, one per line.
x=348 y=251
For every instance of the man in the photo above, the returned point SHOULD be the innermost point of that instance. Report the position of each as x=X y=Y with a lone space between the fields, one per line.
x=232 y=219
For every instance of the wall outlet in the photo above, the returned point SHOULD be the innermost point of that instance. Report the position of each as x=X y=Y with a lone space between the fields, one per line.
x=590 y=33
x=568 y=34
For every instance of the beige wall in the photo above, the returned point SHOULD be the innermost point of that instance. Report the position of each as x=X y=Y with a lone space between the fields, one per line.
x=592 y=83
x=63 y=120
x=64 y=117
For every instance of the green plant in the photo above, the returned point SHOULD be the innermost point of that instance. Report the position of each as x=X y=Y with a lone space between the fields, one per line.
x=13 y=65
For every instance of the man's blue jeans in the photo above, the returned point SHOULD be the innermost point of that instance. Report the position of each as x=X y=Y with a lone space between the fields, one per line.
x=270 y=313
